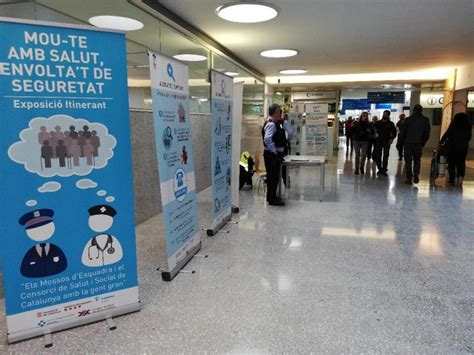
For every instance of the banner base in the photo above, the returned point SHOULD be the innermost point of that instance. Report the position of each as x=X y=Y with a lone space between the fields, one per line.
x=213 y=232
x=32 y=333
x=235 y=209
x=170 y=275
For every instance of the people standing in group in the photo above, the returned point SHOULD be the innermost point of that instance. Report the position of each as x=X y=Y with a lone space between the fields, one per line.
x=362 y=131
x=370 y=147
x=456 y=140
x=399 y=127
x=348 y=130
x=414 y=134
x=386 y=132
x=275 y=141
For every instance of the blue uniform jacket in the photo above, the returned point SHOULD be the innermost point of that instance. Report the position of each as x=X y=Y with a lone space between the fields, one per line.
x=34 y=265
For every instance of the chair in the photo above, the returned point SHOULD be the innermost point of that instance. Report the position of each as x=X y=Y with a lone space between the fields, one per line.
x=261 y=181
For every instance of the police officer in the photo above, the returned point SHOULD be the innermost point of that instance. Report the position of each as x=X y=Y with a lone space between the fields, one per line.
x=275 y=141
x=44 y=259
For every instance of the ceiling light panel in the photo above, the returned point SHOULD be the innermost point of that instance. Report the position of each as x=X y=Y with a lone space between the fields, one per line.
x=293 y=71
x=279 y=53
x=116 y=23
x=188 y=57
x=247 y=12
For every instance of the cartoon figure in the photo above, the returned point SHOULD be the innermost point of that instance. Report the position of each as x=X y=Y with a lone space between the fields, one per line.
x=184 y=156
x=181 y=114
x=46 y=154
x=58 y=134
x=102 y=249
x=95 y=141
x=72 y=132
x=86 y=133
x=44 y=259
x=75 y=152
x=228 y=112
x=53 y=142
x=43 y=135
x=61 y=153
x=81 y=140
x=88 y=151
x=167 y=137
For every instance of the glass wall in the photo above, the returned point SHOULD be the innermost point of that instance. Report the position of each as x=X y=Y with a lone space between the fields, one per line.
x=155 y=35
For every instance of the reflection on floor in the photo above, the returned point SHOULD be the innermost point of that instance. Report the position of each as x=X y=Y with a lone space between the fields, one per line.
x=377 y=267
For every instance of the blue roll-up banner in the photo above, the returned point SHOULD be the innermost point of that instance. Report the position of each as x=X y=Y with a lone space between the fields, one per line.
x=170 y=96
x=68 y=234
x=221 y=148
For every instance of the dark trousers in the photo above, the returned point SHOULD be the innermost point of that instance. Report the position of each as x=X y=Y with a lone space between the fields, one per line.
x=350 y=141
x=379 y=149
x=272 y=165
x=400 y=149
x=412 y=160
x=457 y=162
x=370 y=148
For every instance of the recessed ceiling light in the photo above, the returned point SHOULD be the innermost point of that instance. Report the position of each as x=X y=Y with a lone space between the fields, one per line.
x=293 y=71
x=247 y=12
x=231 y=73
x=116 y=23
x=188 y=57
x=278 y=93
x=279 y=53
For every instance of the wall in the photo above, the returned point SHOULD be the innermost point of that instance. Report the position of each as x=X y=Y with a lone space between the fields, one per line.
x=145 y=171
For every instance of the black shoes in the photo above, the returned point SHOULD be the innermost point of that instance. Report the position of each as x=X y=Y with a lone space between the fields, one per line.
x=276 y=203
x=356 y=172
x=416 y=179
x=362 y=171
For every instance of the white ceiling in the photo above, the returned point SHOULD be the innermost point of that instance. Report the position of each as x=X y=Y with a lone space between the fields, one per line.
x=345 y=36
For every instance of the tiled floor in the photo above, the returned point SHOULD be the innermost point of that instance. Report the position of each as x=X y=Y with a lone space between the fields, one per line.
x=378 y=267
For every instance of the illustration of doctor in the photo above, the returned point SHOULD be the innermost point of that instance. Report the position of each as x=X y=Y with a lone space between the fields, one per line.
x=44 y=259
x=102 y=249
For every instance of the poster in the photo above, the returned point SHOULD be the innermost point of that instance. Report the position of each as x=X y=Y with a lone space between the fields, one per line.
x=317 y=129
x=68 y=233
x=236 y=141
x=296 y=121
x=221 y=145
x=170 y=96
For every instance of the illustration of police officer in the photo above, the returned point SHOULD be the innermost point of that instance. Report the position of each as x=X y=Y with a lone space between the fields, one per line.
x=44 y=259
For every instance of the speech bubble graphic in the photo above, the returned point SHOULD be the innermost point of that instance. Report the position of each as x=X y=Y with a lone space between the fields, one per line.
x=110 y=199
x=31 y=203
x=63 y=146
x=101 y=193
x=51 y=186
x=86 y=184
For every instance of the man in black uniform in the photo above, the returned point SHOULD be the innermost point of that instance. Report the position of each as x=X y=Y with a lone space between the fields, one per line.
x=414 y=134
x=274 y=140
x=386 y=132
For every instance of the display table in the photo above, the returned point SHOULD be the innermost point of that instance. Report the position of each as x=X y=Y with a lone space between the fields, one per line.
x=303 y=160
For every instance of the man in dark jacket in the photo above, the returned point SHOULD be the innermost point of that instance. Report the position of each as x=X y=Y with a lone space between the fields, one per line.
x=385 y=132
x=413 y=136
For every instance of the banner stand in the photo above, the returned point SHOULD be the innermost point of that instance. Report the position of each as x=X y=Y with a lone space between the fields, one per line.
x=237 y=101
x=170 y=275
x=170 y=97
x=235 y=209
x=222 y=149
x=213 y=232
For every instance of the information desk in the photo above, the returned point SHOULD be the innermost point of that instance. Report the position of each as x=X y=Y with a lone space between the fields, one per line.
x=303 y=160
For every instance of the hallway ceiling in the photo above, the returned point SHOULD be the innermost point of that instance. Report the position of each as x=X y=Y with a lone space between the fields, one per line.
x=345 y=36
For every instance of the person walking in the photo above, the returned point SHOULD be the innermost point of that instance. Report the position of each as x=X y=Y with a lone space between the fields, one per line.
x=362 y=132
x=399 y=127
x=457 y=139
x=274 y=140
x=386 y=132
x=348 y=130
x=370 y=147
x=413 y=136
